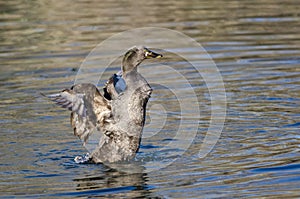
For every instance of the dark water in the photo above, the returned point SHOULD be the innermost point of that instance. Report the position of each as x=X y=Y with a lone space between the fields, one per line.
x=256 y=46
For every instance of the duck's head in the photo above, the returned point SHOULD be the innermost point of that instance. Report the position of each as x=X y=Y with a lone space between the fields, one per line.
x=134 y=56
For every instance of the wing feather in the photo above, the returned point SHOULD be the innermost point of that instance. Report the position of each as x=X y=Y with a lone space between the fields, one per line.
x=114 y=86
x=86 y=104
x=70 y=100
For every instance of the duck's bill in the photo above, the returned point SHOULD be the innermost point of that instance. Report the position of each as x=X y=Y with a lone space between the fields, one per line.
x=151 y=54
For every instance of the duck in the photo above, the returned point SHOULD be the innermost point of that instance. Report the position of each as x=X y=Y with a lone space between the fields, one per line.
x=117 y=116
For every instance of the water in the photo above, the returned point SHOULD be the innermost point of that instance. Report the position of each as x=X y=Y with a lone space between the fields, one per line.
x=255 y=45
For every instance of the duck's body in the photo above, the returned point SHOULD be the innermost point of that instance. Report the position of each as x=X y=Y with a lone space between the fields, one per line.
x=118 y=116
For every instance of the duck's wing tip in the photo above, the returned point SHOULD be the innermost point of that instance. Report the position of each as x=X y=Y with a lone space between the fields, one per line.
x=86 y=105
x=70 y=100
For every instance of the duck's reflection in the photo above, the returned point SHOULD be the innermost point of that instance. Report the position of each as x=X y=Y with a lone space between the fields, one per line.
x=116 y=179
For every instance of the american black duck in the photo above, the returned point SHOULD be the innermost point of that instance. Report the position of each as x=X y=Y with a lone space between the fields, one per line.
x=118 y=116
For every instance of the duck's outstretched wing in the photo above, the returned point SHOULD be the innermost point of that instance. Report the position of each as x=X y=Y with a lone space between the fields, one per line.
x=89 y=108
x=70 y=100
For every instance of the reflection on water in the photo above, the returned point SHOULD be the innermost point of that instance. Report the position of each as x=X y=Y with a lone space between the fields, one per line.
x=113 y=183
x=255 y=45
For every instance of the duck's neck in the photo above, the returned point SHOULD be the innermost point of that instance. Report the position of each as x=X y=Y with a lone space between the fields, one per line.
x=128 y=68
x=130 y=64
